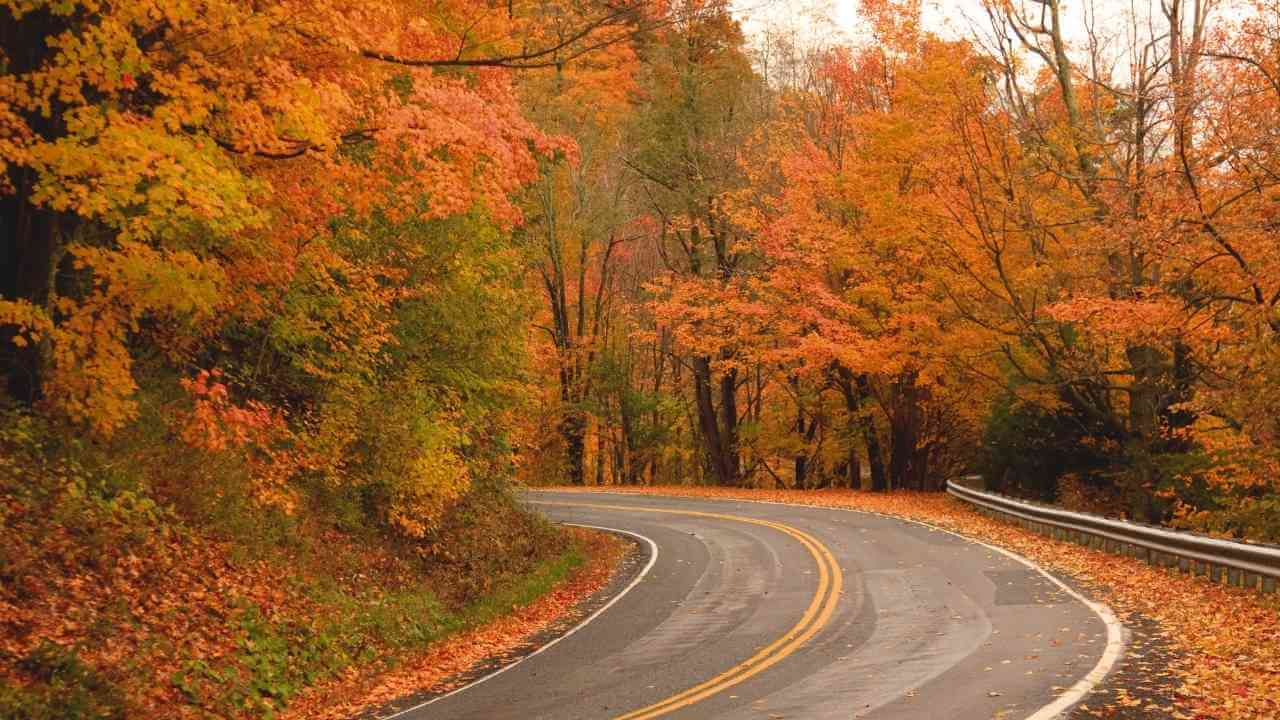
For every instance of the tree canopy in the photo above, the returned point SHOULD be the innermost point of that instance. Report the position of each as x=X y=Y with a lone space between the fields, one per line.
x=403 y=246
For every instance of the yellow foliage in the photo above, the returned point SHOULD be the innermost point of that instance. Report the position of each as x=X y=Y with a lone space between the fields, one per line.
x=436 y=478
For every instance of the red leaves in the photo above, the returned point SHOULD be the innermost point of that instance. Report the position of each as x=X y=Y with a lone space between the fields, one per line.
x=253 y=431
x=216 y=423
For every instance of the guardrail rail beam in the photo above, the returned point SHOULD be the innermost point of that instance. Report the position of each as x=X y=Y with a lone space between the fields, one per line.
x=1237 y=563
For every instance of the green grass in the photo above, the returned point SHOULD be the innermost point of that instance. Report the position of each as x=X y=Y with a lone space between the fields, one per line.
x=538 y=583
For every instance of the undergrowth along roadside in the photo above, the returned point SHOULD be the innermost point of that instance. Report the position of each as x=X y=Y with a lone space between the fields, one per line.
x=127 y=593
x=504 y=636
x=252 y=639
x=1226 y=637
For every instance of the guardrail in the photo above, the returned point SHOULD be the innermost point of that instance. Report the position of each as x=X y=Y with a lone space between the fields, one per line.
x=1235 y=563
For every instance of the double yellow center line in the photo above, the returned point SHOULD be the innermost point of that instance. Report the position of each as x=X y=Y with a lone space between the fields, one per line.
x=820 y=610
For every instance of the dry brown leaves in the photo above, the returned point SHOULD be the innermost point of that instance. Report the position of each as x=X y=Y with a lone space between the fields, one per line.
x=436 y=669
x=165 y=600
x=141 y=611
x=1229 y=638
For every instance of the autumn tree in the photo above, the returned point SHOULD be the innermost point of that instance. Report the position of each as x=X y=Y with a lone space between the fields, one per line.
x=578 y=220
x=842 y=256
x=699 y=87
x=262 y=190
x=1084 y=161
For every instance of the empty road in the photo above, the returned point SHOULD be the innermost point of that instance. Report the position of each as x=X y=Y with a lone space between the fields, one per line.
x=750 y=610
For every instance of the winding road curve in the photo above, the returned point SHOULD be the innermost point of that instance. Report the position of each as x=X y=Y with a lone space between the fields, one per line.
x=753 y=610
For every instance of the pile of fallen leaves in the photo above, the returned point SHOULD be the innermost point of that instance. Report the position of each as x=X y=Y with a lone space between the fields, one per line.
x=116 y=607
x=1228 y=638
x=113 y=604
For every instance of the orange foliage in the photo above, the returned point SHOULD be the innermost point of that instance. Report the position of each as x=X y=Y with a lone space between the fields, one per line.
x=253 y=431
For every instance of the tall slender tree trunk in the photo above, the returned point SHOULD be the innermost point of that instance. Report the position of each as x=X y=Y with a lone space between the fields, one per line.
x=601 y=455
x=853 y=470
x=1149 y=372
x=729 y=426
x=630 y=465
x=801 y=461
x=855 y=390
x=875 y=458
x=806 y=431
x=900 y=442
x=907 y=466
x=708 y=426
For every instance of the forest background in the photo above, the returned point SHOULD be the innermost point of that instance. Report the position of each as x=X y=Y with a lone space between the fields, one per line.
x=280 y=276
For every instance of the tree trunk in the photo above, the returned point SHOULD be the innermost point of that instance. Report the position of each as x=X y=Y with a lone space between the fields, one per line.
x=802 y=466
x=801 y=459
x=708 y=427
x=720 y=443
x=806 y=432
x=630 y=463
x=573 y=427
x=600 y=455
x=907 y=462
x=855 y=390
x=900 y=441
x=1147 y=366
x=875 y=459
x=30 y=249
x=1155 y=385
x=729 y=426
x=31 y=238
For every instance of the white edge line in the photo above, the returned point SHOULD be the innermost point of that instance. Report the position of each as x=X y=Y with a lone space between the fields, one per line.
x=653 y=557
x=1074 y=694
x=1110 y=654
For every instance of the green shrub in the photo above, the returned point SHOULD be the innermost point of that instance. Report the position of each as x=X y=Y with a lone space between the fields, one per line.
x=61 y=687
x=1026 y=449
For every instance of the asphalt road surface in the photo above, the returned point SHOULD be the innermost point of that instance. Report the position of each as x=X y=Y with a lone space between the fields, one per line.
x=751 y=610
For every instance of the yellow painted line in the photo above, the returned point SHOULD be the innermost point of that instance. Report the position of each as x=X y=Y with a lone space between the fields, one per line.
x=819 y=612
